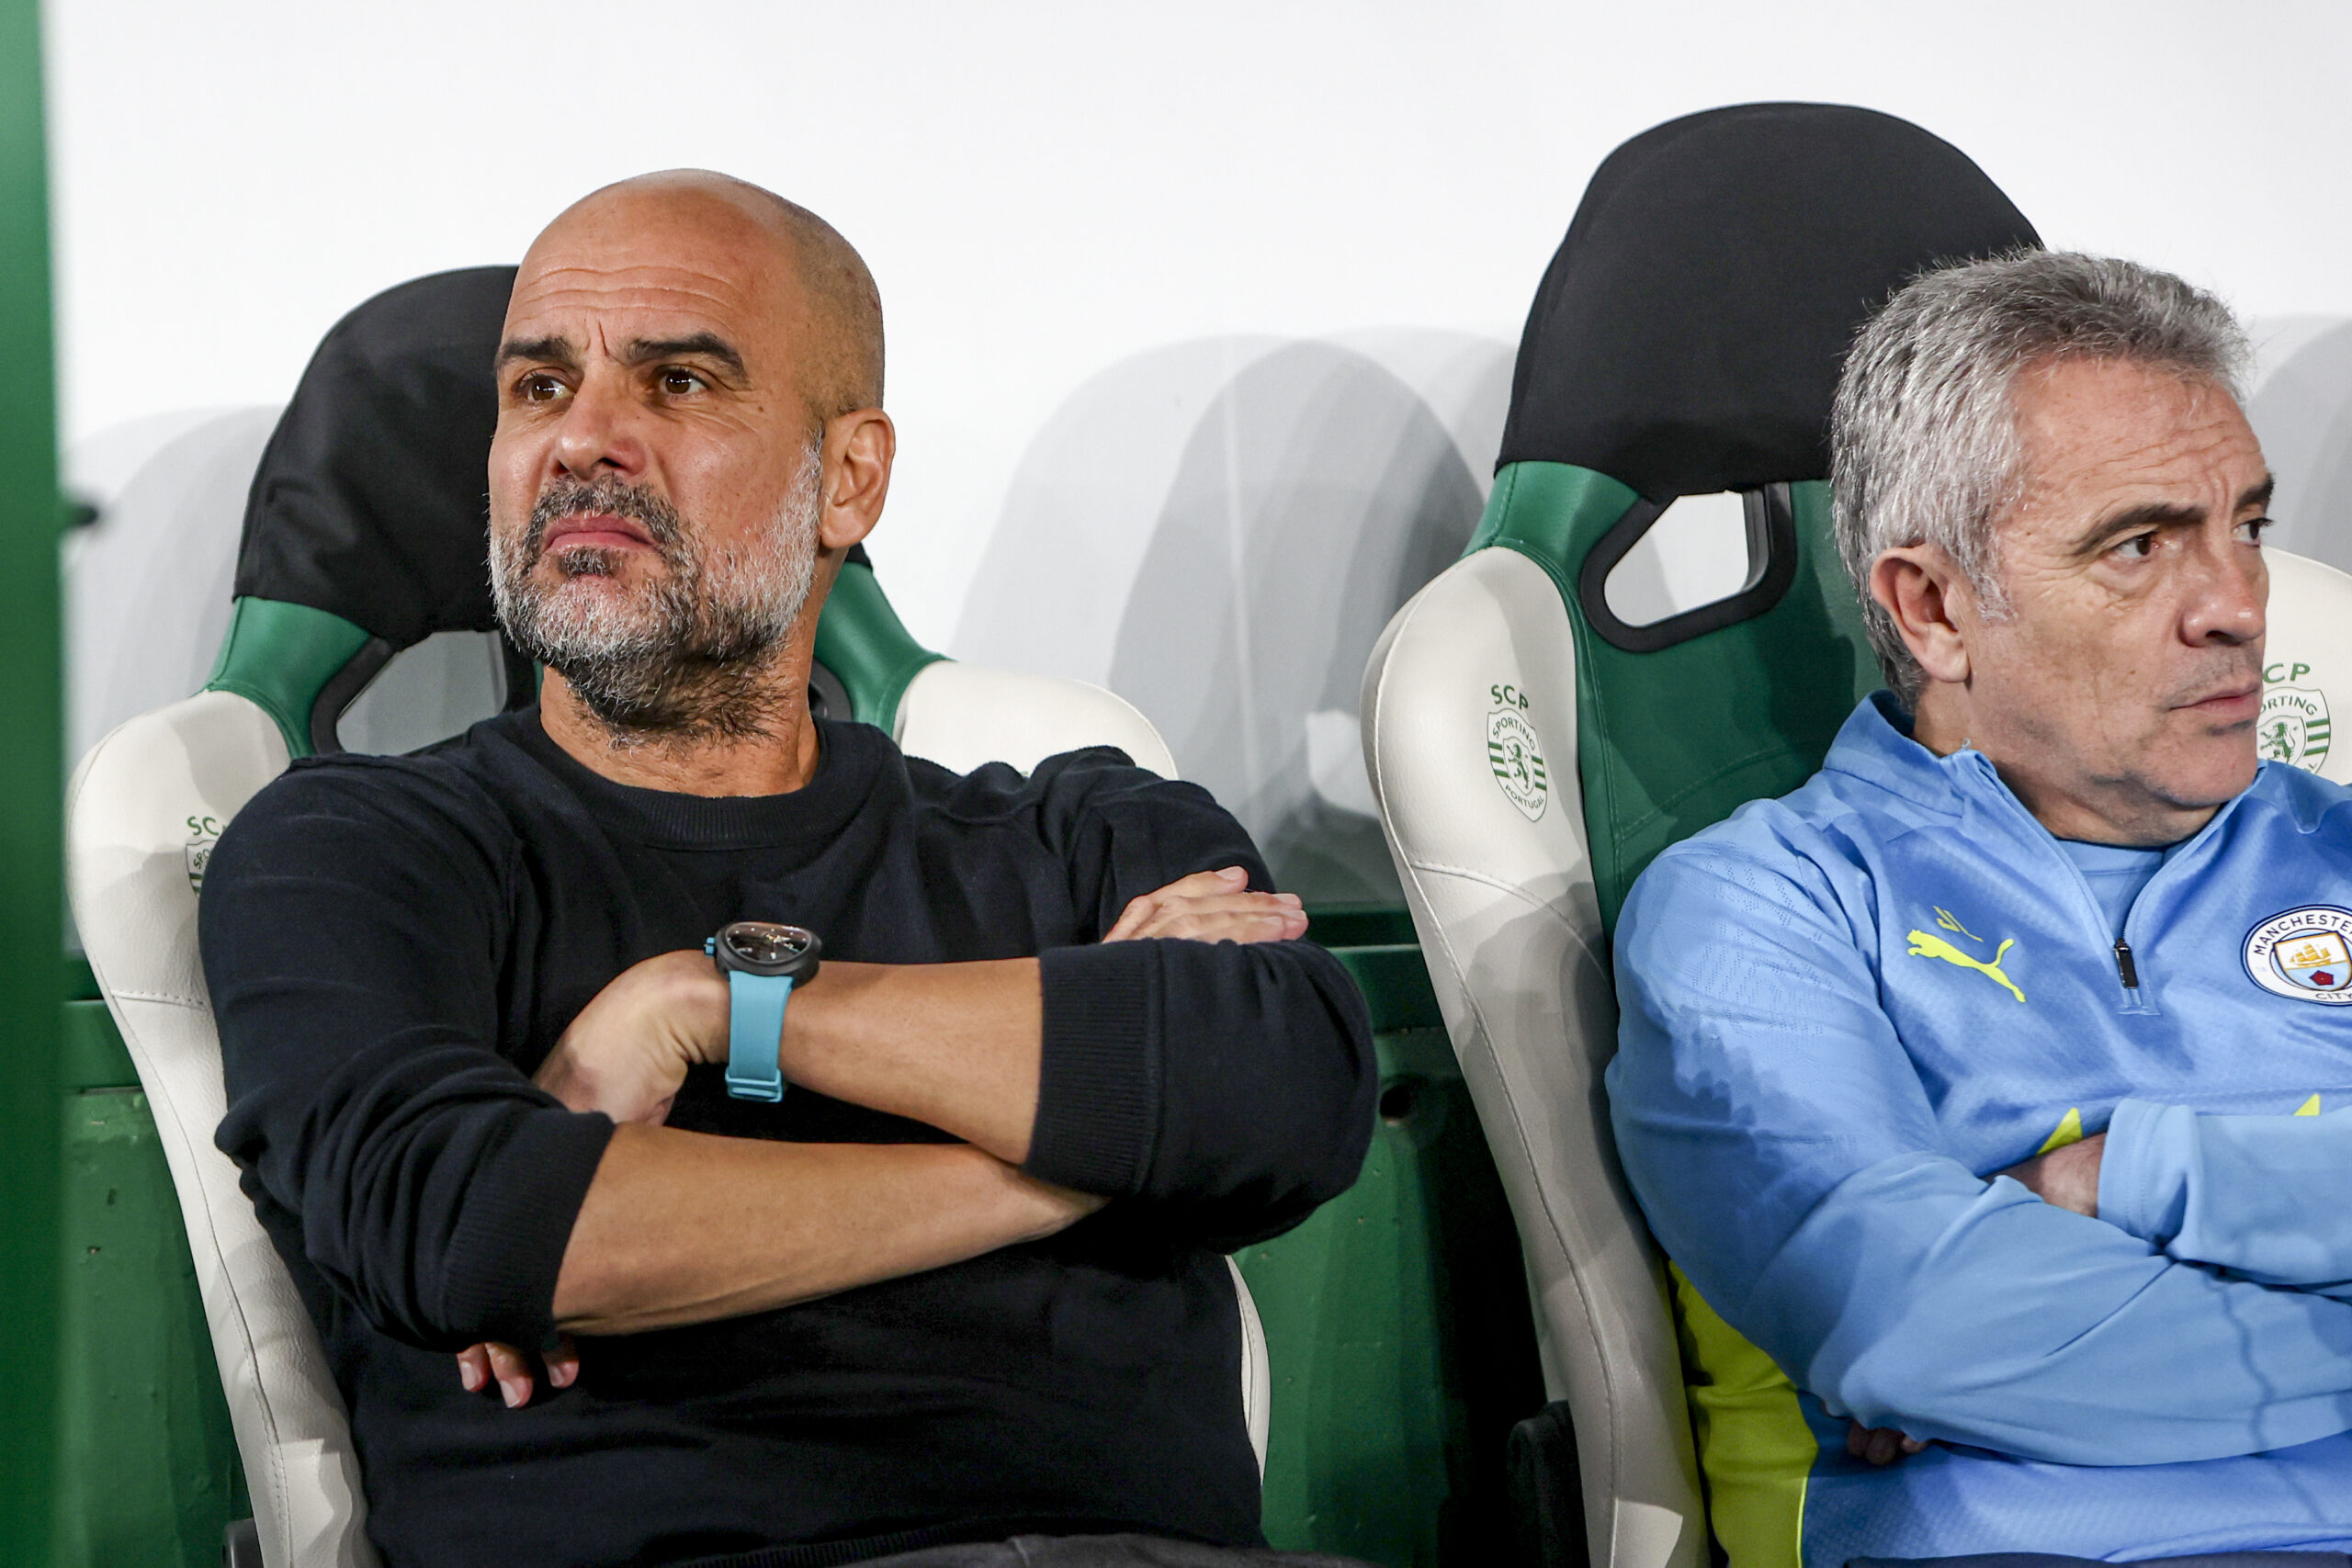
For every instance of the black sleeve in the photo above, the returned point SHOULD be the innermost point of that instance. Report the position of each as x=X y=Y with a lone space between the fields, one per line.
x=1231 y=1086
x=353 y=923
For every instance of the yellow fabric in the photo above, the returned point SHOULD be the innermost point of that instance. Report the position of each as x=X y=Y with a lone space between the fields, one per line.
x=2068 y=1131
x=1755 y=1450
x=2310 y=1107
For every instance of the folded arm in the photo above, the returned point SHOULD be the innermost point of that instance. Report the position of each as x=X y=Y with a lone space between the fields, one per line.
x=1758 y=1077
x=2267 y=1197
x=956 y=1045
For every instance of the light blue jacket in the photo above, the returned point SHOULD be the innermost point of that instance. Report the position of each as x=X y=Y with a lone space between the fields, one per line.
x=1844 y=1010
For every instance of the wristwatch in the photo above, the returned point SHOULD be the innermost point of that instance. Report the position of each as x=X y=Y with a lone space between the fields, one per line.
x=763 y=961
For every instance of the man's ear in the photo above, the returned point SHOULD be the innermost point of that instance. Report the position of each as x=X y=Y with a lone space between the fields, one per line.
x=1932 y=606
x=859 y=448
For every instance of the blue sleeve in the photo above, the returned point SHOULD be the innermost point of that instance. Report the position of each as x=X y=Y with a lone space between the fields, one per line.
x=1787 y=1157
x=2266 y=1197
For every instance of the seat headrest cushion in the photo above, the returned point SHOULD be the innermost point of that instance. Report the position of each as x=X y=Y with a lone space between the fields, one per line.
x=372 y=499
x=1688 y=334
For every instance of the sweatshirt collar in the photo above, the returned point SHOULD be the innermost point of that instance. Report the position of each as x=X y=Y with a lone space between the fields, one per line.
x=849 y=761
x=1875 y=745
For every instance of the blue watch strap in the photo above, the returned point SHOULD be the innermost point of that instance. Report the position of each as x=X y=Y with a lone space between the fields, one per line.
x=754 y=1031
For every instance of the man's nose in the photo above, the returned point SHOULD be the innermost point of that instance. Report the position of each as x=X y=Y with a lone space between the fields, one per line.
x=598 y=437
x=2228 y=600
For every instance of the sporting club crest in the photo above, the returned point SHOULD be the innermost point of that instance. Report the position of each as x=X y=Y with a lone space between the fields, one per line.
x=2305 y=953
x=203 y=832
x=2294 y=727
x=1516 y=756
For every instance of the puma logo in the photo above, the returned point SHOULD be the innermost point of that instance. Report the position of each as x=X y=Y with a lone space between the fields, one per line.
x=1927 y=945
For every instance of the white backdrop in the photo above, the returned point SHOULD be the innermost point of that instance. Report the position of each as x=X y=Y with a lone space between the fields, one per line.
x=1200 y=314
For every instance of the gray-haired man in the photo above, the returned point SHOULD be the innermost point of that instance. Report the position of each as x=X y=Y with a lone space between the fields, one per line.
x=2040 y=888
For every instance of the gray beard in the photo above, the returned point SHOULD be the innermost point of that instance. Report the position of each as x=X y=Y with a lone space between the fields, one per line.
x=689 y=657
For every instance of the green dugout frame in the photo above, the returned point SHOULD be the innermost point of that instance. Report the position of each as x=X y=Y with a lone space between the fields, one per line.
x=31 y=779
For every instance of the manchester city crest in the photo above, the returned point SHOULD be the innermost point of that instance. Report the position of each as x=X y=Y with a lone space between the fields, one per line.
x=2305 y=953
x=2294 y=727
x=1517 y=761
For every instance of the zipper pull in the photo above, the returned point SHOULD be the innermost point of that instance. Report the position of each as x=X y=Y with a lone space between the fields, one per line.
x=2125 y=970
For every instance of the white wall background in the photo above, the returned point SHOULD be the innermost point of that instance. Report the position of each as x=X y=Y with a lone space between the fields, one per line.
x=1187 y=302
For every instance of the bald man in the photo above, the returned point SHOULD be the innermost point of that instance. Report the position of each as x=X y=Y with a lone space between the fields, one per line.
x=848 y=1145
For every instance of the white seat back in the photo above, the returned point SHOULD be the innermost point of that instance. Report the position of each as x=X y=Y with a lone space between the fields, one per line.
x=2307 y=666
x=1491 y=850
x=961 y=715
x=142 y=812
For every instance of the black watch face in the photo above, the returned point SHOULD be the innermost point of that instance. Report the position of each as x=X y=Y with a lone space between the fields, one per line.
x=760 y=945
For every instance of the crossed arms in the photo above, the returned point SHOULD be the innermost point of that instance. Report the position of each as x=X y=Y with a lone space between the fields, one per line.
x=1915 y=1295
x=953 y=1045
x=362 y=946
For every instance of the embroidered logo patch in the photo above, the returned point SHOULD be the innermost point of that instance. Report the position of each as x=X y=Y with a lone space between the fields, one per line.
x=1515 y=756
x=1928 y=944
x=2305 y=953
x=203 y=833
x=2294 y=727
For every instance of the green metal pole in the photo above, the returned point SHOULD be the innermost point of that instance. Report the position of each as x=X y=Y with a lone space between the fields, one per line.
x=32 y=965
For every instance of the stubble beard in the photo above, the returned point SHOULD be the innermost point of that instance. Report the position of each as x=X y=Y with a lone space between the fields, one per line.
x=689 y=656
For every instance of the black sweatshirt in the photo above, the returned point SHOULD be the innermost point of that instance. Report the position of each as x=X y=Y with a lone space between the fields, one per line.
x=393 y=945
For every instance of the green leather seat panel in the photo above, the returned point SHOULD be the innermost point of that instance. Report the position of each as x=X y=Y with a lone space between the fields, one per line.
x=1676 y=738
x=282 y=656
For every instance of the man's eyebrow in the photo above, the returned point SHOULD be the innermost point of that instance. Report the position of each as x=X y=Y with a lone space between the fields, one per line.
x=708 y=345
x=2164 y=513
x=2153 y=514
x=552 y=349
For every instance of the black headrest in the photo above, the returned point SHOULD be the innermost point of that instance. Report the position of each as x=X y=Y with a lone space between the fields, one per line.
x=1688 y=334
x=372 y=499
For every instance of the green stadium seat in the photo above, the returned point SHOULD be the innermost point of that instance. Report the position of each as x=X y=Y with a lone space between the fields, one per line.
x=1532 y=747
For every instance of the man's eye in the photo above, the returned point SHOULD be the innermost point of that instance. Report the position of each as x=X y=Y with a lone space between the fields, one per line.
x=2253 y=528
x=679 y=383
x=2139 y=547
x=539 y=388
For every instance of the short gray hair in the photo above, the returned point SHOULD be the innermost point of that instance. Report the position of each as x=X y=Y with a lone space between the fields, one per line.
x=1923 y=439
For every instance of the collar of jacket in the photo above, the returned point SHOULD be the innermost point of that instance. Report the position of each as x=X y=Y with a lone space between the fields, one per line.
x=1875 y=745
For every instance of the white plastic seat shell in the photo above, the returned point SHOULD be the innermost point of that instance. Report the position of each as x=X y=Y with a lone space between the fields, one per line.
x=135 y=809
x=1503 y=903
x=2309 y=649
x=143 y=809
x=961 y=715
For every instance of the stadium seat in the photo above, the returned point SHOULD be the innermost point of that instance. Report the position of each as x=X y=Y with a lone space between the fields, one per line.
x=364 y=538
x=1532 y=747
x=2306 y=665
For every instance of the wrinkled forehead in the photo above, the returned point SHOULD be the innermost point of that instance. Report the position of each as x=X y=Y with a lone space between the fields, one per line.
x=640 y=272
x=2095 y=436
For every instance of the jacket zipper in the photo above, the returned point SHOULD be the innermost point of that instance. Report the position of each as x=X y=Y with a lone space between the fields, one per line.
x=2126 y=968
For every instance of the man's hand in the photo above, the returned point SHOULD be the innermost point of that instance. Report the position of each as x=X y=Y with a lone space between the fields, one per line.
x=624 y=1055
x=1212 y=906
x=1873 y=1445
x=627 y=1051
x=2064 y=1179
x=479 y=1365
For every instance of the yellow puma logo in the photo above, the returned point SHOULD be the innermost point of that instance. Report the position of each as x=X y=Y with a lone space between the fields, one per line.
x=1927 y=945
x=1950 y=922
